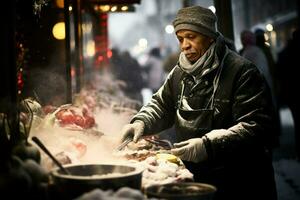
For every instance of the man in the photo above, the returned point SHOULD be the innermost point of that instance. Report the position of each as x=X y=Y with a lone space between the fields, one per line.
x=287 y=58
x=256 y=55
x=261 y=43
x=154 y=68
x=253 y=53
x=221 y=108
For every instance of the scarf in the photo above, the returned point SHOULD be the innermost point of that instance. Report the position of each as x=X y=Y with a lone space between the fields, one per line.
x=207 y=62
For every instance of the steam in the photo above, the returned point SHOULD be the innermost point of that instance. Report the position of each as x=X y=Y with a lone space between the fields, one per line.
x=99 y=148
x=111 y=122
x=111 y=110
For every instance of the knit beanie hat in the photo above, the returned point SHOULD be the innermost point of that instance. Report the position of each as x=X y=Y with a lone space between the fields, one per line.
x=198 y=19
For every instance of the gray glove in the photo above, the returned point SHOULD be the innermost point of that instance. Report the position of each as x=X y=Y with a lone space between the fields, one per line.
x=190 y=150
x=134 y=130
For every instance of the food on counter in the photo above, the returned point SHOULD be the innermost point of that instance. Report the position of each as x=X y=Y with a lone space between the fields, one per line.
x=105 y=98
x=62 y=157
x=75 y=116
x=140 y=145
x=79 y=146
x=49 y=109
x=168 y=157
x=139 y=155
x=67 y=116
x=138 y=151
x=71 y=151
x=160 y=167
x=162 y=171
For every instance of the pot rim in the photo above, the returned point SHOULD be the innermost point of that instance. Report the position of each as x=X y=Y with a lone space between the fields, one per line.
x=137 y=170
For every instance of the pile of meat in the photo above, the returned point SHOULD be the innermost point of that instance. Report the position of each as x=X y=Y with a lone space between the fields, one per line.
x=161 y=171
x=138 y=151
x=75 y=117
x=158 y=169
x=68 y=151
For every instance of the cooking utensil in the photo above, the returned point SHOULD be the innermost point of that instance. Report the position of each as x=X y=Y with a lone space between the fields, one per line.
x=43 y=147
x=166 y=144
x=125 y=143
x=86 y=177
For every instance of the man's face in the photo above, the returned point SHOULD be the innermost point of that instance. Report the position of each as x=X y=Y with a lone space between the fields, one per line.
x=193 y=44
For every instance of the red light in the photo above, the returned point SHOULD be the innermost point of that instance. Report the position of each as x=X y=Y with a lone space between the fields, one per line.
x=20 y=82
x=73 y=72
x=100 y=58
x=109 y=53
x=104 y=16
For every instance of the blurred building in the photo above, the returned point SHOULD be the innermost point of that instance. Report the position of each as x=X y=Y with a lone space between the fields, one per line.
x=96 y=26
x=149 y=23
x=278 y=17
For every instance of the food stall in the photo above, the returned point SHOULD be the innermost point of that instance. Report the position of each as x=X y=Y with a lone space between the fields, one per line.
x=80 y=123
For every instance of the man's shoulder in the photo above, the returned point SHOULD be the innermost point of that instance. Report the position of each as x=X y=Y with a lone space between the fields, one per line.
x=236 y=65
x=175 y=75
x=176 y=70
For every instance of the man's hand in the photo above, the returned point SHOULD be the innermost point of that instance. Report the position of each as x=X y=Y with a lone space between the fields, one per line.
x=190 y=150
x=134 y=130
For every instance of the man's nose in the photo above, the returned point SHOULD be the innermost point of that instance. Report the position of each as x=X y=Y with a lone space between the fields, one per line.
x=185 y=44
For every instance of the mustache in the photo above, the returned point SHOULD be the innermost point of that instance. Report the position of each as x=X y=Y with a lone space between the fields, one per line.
x=189 y=52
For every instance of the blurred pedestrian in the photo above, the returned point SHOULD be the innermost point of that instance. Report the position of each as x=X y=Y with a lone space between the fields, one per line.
x=288 y=64
x=253 y=53
x=154 y=68
x=261 y=42
x=132 y=75
x=116 y=63
x=127 y=69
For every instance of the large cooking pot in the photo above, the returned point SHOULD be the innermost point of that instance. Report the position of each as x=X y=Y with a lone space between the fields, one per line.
x=184 y=190
x=84 y=178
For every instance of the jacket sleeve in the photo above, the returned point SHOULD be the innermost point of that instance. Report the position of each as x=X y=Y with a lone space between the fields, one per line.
x=252 y=118
x=159 y=113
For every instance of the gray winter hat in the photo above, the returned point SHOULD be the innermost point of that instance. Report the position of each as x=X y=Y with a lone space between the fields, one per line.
x=198 y=19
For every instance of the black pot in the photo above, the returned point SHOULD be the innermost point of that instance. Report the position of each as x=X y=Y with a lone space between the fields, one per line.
x=84 y=178
x=179 y=191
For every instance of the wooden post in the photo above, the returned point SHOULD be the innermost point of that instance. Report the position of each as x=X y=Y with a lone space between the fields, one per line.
x=68 y=51
x=8 y=70
x=225 y=20
x=78 y=44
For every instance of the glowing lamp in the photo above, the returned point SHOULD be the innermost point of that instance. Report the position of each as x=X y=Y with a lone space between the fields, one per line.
x=60 y=3
x=58 y=31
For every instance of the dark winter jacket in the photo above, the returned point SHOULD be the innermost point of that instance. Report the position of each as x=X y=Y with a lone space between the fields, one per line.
x=235 y=121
